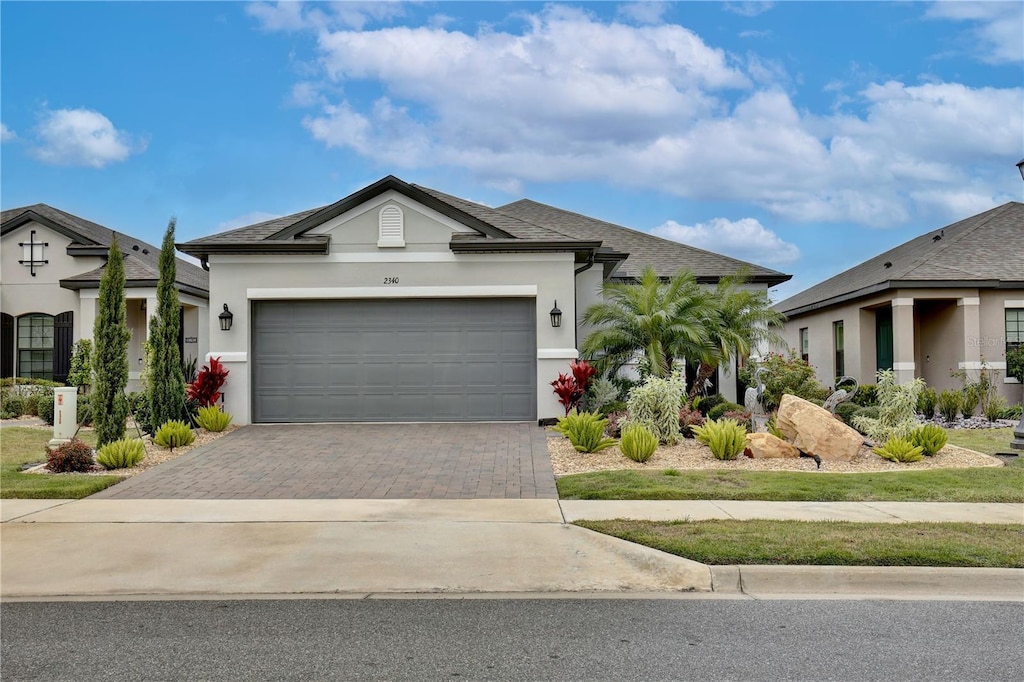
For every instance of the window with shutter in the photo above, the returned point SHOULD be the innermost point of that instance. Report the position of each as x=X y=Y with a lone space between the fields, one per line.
x=392 y=227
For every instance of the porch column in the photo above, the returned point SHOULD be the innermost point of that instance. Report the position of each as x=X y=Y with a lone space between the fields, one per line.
x=970 y=314
x=903 y=339
x=150 y=311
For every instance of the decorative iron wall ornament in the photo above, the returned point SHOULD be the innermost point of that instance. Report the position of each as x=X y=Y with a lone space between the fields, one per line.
x=32 y=261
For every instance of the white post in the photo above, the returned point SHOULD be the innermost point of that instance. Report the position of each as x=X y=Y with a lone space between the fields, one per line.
x=65 y=414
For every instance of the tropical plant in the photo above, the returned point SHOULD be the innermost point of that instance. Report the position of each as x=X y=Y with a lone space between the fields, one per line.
x=655 y=405
x=80 y=370
x=585 y=430
x=570 y=388
x=638 y=444
x=785 y=375
x=866 y=395
x=601 y=393
x=927 y=402
x=166 y=388
x=897 y=409
x=72 y=456
x=110 y=357
x=213 y=419
x=190 y=369
x=205 y=390
x=721 y=408
x=688 y=418
x=726 y=438
x=174 y=434
x=708 y=402
x=949 y=404
x=900 y=450
x=930 y=438
x=651 y=319
x=121 y=454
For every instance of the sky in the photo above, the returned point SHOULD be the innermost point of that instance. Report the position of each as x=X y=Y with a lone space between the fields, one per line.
x=802 y=136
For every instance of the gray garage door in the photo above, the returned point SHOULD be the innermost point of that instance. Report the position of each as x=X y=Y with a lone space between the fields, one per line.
x=394 y=360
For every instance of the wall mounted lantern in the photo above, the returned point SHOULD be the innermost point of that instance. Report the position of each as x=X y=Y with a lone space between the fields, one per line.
x=225 y=319
x=556 y=316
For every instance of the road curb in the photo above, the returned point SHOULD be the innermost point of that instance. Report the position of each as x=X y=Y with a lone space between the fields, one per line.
x=913 y=582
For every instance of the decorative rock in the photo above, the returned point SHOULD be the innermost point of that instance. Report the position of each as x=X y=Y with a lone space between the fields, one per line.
x=815 y=431
x=767 y=446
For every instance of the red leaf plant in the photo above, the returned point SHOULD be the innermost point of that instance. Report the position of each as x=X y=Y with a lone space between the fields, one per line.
x=583 y=372
x=570 y=388
x=206 y=388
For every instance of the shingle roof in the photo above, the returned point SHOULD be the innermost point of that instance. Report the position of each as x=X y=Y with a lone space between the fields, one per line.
x=984 y=249
x=518 y=228
x=142 y=262
x=665 y=255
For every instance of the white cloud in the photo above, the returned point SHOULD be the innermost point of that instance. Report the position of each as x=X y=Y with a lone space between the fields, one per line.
x=6 y=134
x=755 y=34
x=746 y=239
x=645 y=12
x=296 y=16
x=998 y=34
x=82 y=137
x=245 y=220
x=748 y=9
x=572 y=98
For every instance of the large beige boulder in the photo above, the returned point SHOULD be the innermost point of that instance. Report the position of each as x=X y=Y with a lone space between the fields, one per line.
x=814 y=430
x=767 y=446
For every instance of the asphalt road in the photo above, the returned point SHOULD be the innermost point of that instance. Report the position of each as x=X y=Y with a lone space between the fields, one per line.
x=512 y=640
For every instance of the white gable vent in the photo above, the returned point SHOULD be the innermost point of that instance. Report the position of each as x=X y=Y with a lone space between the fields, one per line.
x=392 y=227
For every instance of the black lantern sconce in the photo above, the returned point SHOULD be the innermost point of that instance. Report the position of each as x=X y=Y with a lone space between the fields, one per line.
x=556 y=316
x=226 y=318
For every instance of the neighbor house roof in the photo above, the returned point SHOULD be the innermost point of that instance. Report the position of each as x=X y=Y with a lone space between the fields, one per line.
x=664 y=255
x=985 y=250
x=523 y=225
x=142 y=260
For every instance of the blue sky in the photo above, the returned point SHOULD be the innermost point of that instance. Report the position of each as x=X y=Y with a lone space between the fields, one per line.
x=803 y=136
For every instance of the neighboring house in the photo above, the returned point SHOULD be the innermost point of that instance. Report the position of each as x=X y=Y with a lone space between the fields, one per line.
x=401 y=303
x=949 y=300
x=51 y=268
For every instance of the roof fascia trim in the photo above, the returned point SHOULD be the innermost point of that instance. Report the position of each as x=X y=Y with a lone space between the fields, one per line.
x=31 y=216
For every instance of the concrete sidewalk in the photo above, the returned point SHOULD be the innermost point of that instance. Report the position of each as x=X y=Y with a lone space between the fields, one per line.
x=96 y=548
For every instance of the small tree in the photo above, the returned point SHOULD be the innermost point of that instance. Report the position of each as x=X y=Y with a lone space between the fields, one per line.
x=166 y=385
x=110 y=359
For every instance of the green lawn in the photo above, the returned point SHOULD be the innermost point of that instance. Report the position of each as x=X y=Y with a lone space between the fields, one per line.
x=1003 y=484
x=834 y=543
x=20 y=445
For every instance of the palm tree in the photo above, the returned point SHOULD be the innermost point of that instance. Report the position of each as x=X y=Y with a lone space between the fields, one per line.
x=660 y=321
x=746 y=321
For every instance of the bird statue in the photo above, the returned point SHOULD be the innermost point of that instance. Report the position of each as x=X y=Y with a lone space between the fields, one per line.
x=752 y=397
x=841 y=395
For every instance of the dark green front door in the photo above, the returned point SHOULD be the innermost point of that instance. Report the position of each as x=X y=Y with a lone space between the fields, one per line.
x=883 y=338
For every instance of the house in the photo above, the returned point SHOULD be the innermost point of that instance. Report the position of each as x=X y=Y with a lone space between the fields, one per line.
x=402 y=303
x=51 y=267
x=950 y=300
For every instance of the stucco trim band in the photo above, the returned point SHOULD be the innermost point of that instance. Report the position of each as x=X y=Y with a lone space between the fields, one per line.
x=557 y=353
x=484 y=291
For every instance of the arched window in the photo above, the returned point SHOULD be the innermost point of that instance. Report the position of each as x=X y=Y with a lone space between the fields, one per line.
x=35 y=346
x=392 y=227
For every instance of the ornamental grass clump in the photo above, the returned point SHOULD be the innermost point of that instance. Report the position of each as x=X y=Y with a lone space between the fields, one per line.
x=655 y=405
x=900 y=450
x=949 y=405
x=930 y=438
x=72 y=456
x=927 y=402
x=726 y=438
x=585 y=430
x=897 y=409
x=213 y=419
x=174 y=434
x=638 y=443
x=121 y=454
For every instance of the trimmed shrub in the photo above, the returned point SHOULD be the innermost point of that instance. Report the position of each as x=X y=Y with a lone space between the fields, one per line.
x=688 y=418
x=32 y=404
x=615 y=421
x=949 y=404
x=585 y=430
x=927 y=402
x=721 y=408
x=121 y=454
x=866 y=395
x=930 y=438
x=726 y=438
x=708 y=403
x=69 y=457
x=846 y=411
x=45 y=408
x=900 y=450
x=12 y=405
x=213 y=419
x=174 y=434
x=655 y=405
x=638 y=443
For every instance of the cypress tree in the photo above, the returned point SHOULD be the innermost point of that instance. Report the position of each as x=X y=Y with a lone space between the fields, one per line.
x=166 y=381
x=110 y=359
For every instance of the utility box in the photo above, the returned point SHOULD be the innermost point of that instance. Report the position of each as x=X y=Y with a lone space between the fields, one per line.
x=65 y=414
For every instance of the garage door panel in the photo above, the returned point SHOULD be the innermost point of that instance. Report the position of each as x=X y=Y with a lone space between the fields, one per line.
x=394 y=360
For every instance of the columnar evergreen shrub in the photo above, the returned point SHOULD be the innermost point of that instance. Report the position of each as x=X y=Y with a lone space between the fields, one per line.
x=897 y=409
x=166 y=381
x=110 y=358
x=655 y=405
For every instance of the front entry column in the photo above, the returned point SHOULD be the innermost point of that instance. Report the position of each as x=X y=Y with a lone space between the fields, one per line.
x=150 y=312
x=970 y=313
x=903 y=339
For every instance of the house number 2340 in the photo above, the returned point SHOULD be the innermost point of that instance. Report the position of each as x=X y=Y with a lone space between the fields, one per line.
x=390 y=280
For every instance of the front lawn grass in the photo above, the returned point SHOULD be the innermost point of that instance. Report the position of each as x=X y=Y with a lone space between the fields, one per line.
x=832 y=543
x=989 y=441
x=20 y=445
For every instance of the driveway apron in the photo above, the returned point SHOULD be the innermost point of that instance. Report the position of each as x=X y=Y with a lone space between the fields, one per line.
x=351 y=461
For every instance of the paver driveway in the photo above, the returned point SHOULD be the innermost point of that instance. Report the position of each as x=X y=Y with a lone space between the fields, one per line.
x=396 y=461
